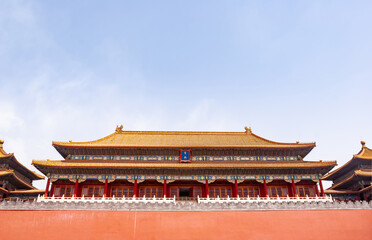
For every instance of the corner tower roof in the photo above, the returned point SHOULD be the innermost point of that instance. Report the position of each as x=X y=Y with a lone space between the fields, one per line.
x=364 y=156
x=10 y=159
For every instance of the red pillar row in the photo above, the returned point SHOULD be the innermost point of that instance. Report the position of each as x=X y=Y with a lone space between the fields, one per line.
x=294 y=189
x=135 y=188
x=76 y=188
x=206 y=188
x=106 y=187
x=265 y=187
x=321 y=188
x=236 y=188
x=47 y=188
x=165 y=188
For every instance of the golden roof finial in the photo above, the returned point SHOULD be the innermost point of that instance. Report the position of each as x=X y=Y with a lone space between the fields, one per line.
x=248 y=130
x=119 y=129
x=363 y=143
x=1 y=143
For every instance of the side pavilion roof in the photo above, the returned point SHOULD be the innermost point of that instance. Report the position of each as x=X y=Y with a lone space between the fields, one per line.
x=10 y=159
x=363 y=157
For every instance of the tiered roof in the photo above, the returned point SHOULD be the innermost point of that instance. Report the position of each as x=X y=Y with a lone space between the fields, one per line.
x=176 y=140
x=358 y=169
x=10 y=176
x=364 y=157
x=17 y=174
x=214 y=141
x=10 y=159
x=88 y=166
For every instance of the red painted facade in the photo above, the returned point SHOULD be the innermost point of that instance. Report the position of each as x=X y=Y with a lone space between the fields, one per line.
x=91 y=225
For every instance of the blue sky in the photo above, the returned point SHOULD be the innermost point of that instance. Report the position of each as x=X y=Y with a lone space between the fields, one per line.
x=292 y=70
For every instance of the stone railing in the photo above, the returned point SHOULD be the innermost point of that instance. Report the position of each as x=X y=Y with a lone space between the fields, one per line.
x=265 y=199
x=170 y=204
x=93 y=199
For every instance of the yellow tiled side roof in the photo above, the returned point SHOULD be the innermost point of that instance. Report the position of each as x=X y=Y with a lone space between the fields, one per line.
x=364 y=153
x=4 y=156
x=14 y=177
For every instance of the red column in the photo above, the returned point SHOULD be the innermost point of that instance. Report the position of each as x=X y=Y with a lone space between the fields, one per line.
x=135 y=188
x=236 y=188
x=105 y=192
x=321 y=188
x=165 y=188
x=206 y=188
x=316 y=190
x=52 y=190
x=265 y=188
x=76 y=187
x=294 y=189
x=47 y=188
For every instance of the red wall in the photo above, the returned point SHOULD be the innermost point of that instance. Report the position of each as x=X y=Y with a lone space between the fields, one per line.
x=320 y=224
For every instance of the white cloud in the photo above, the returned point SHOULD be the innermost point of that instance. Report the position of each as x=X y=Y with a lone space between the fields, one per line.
x=9 y=119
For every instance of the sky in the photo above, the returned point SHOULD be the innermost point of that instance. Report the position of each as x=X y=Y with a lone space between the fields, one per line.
x=292 y=70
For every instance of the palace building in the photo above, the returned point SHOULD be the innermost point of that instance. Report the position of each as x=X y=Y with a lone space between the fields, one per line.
x=353 y=180
x=183 y=165
x=16 y=179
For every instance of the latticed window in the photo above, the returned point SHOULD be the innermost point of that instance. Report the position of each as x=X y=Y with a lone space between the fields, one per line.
x=303 y=191
x=220 y=191
x=120 y=191
x=275 y=191
x=197 y=191
x=174 y=191
x=93 y=190
x=151 y=191
x=64 y=190
x=251 y=191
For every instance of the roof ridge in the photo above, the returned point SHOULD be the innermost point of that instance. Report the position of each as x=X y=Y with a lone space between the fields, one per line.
x=182 y=133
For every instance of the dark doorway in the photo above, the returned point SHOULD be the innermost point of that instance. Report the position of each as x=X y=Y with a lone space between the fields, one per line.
x=185 y=192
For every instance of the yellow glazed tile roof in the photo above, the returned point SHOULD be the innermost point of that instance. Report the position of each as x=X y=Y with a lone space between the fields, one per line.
x=360 y=173
x=365 y=154
x=182 y=139
x=11 y=174
x=4 y=156
x=31 y=191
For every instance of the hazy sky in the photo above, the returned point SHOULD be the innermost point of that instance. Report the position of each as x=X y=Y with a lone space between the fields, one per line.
x=292 y=70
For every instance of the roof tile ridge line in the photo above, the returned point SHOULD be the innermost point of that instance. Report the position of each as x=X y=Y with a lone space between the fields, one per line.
x=283 y=143
x=8 y=171
x=58 y=143
x=2 y=151
x=38 y=176
x=343 y=181
x=363 y=152
x=254 y=163
x=338 y=169
x=362 y=173
x=358 y=155
x=6 y=155
x=182 y=132
x=20 y=180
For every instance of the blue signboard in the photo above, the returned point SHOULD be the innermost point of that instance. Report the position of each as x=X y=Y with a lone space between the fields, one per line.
x=185 y=155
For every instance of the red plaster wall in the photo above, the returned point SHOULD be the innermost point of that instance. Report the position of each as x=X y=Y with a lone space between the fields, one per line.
x=321 y=224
